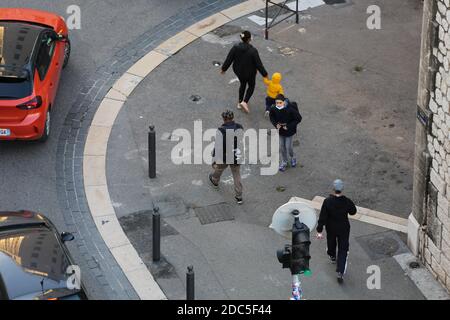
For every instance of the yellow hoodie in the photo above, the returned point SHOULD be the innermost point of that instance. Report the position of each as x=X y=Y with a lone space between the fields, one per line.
x=274 y=86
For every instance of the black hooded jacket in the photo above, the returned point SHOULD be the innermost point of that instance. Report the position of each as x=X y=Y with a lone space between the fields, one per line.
x=287 y=116
x=334 y=214
x=221 y=143
x=246 y=61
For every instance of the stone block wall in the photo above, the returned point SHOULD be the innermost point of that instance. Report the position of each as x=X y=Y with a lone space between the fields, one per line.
x=434 y=241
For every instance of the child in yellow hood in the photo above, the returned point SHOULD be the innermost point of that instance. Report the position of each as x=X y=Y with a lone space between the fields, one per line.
x=274 y=88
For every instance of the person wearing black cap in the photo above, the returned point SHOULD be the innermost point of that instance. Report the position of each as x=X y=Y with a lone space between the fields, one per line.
x=334 y=216
x=226 y=153
x=246 y=62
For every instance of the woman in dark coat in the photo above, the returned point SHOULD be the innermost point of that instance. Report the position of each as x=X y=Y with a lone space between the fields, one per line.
x=246 y=62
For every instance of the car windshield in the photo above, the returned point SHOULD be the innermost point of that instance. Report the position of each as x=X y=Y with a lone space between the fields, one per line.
x=32 y=263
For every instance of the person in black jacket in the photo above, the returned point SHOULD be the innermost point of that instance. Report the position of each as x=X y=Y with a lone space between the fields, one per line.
x=285 y=119
x=246 y=62
x=334 y=216
x=225 y=155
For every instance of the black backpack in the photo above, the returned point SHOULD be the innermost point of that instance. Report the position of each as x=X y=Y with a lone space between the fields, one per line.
x=294 y=106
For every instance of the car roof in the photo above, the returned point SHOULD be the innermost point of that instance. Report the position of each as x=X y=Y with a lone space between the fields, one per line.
x=39 y=17
x=17 y=43
x=32 y=259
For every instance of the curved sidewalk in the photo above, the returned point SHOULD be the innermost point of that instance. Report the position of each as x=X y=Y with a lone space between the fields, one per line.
x=94 y=159
x=94 y=156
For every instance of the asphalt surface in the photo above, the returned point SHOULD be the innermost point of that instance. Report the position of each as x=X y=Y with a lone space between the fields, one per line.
x=27 y=170
x=358 y=126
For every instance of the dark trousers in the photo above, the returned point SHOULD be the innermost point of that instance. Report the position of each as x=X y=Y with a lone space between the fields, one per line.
x=247 y=88
x=269 y=103
x=341 y=241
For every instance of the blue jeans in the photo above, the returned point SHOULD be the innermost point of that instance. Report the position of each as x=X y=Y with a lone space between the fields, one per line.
x=286 y=147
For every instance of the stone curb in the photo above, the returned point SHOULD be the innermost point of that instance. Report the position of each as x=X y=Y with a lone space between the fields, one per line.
x=95 y=150
x=94 y=157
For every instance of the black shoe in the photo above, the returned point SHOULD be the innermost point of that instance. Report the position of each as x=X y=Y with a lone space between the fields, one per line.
x=340 y=278
x=239 y=200
x=332 y=259
x=215 y=185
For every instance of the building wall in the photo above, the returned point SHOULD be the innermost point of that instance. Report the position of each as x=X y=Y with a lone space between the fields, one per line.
x=431 y=211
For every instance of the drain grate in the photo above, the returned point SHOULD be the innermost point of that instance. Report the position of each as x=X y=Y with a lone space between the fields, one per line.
x=214 y=213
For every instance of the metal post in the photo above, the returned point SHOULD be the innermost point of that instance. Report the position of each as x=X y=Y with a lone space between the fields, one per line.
x=296 y=12
x=267 y=20
x=156 y=235
x=190 y=285
x=152 y=152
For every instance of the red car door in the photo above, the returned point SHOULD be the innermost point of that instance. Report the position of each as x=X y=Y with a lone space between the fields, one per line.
x=48 y=69
x=57 y=61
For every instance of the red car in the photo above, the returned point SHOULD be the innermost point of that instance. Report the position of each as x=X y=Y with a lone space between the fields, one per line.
x=34 y=48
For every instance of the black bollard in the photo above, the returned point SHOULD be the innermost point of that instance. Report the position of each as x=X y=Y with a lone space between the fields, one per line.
x=156 y=235
x=190 y=284
x=152 y=153
x=266 y=36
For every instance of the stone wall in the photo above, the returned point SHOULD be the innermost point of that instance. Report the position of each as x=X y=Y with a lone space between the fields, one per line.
x=432 y=163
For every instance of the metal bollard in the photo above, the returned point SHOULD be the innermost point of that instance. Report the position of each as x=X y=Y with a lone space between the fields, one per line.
x=190 y=284
x=152 y=152
x=156 y=235
x=266 y=34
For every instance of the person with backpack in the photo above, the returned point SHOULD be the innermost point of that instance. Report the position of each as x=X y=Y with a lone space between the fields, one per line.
x=285 y=118
x=226 y=153
x=246 y=62
x=334 y=216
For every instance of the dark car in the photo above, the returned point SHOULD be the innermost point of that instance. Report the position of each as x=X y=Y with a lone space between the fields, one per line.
x=34 y=261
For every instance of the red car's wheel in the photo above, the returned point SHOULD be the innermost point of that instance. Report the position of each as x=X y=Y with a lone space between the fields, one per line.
x=67 y=50
x=47 y=127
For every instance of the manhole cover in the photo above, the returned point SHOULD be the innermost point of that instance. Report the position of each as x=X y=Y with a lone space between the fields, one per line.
x=382 y=245
x=386 y=246
x=214 y=213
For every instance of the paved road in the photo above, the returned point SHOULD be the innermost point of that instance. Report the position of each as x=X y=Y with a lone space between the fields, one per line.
x=346 y=132
x=28 y=170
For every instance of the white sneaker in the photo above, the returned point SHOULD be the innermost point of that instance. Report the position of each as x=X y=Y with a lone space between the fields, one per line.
x=245 y=106
x=266 y=114
x=239 y=106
